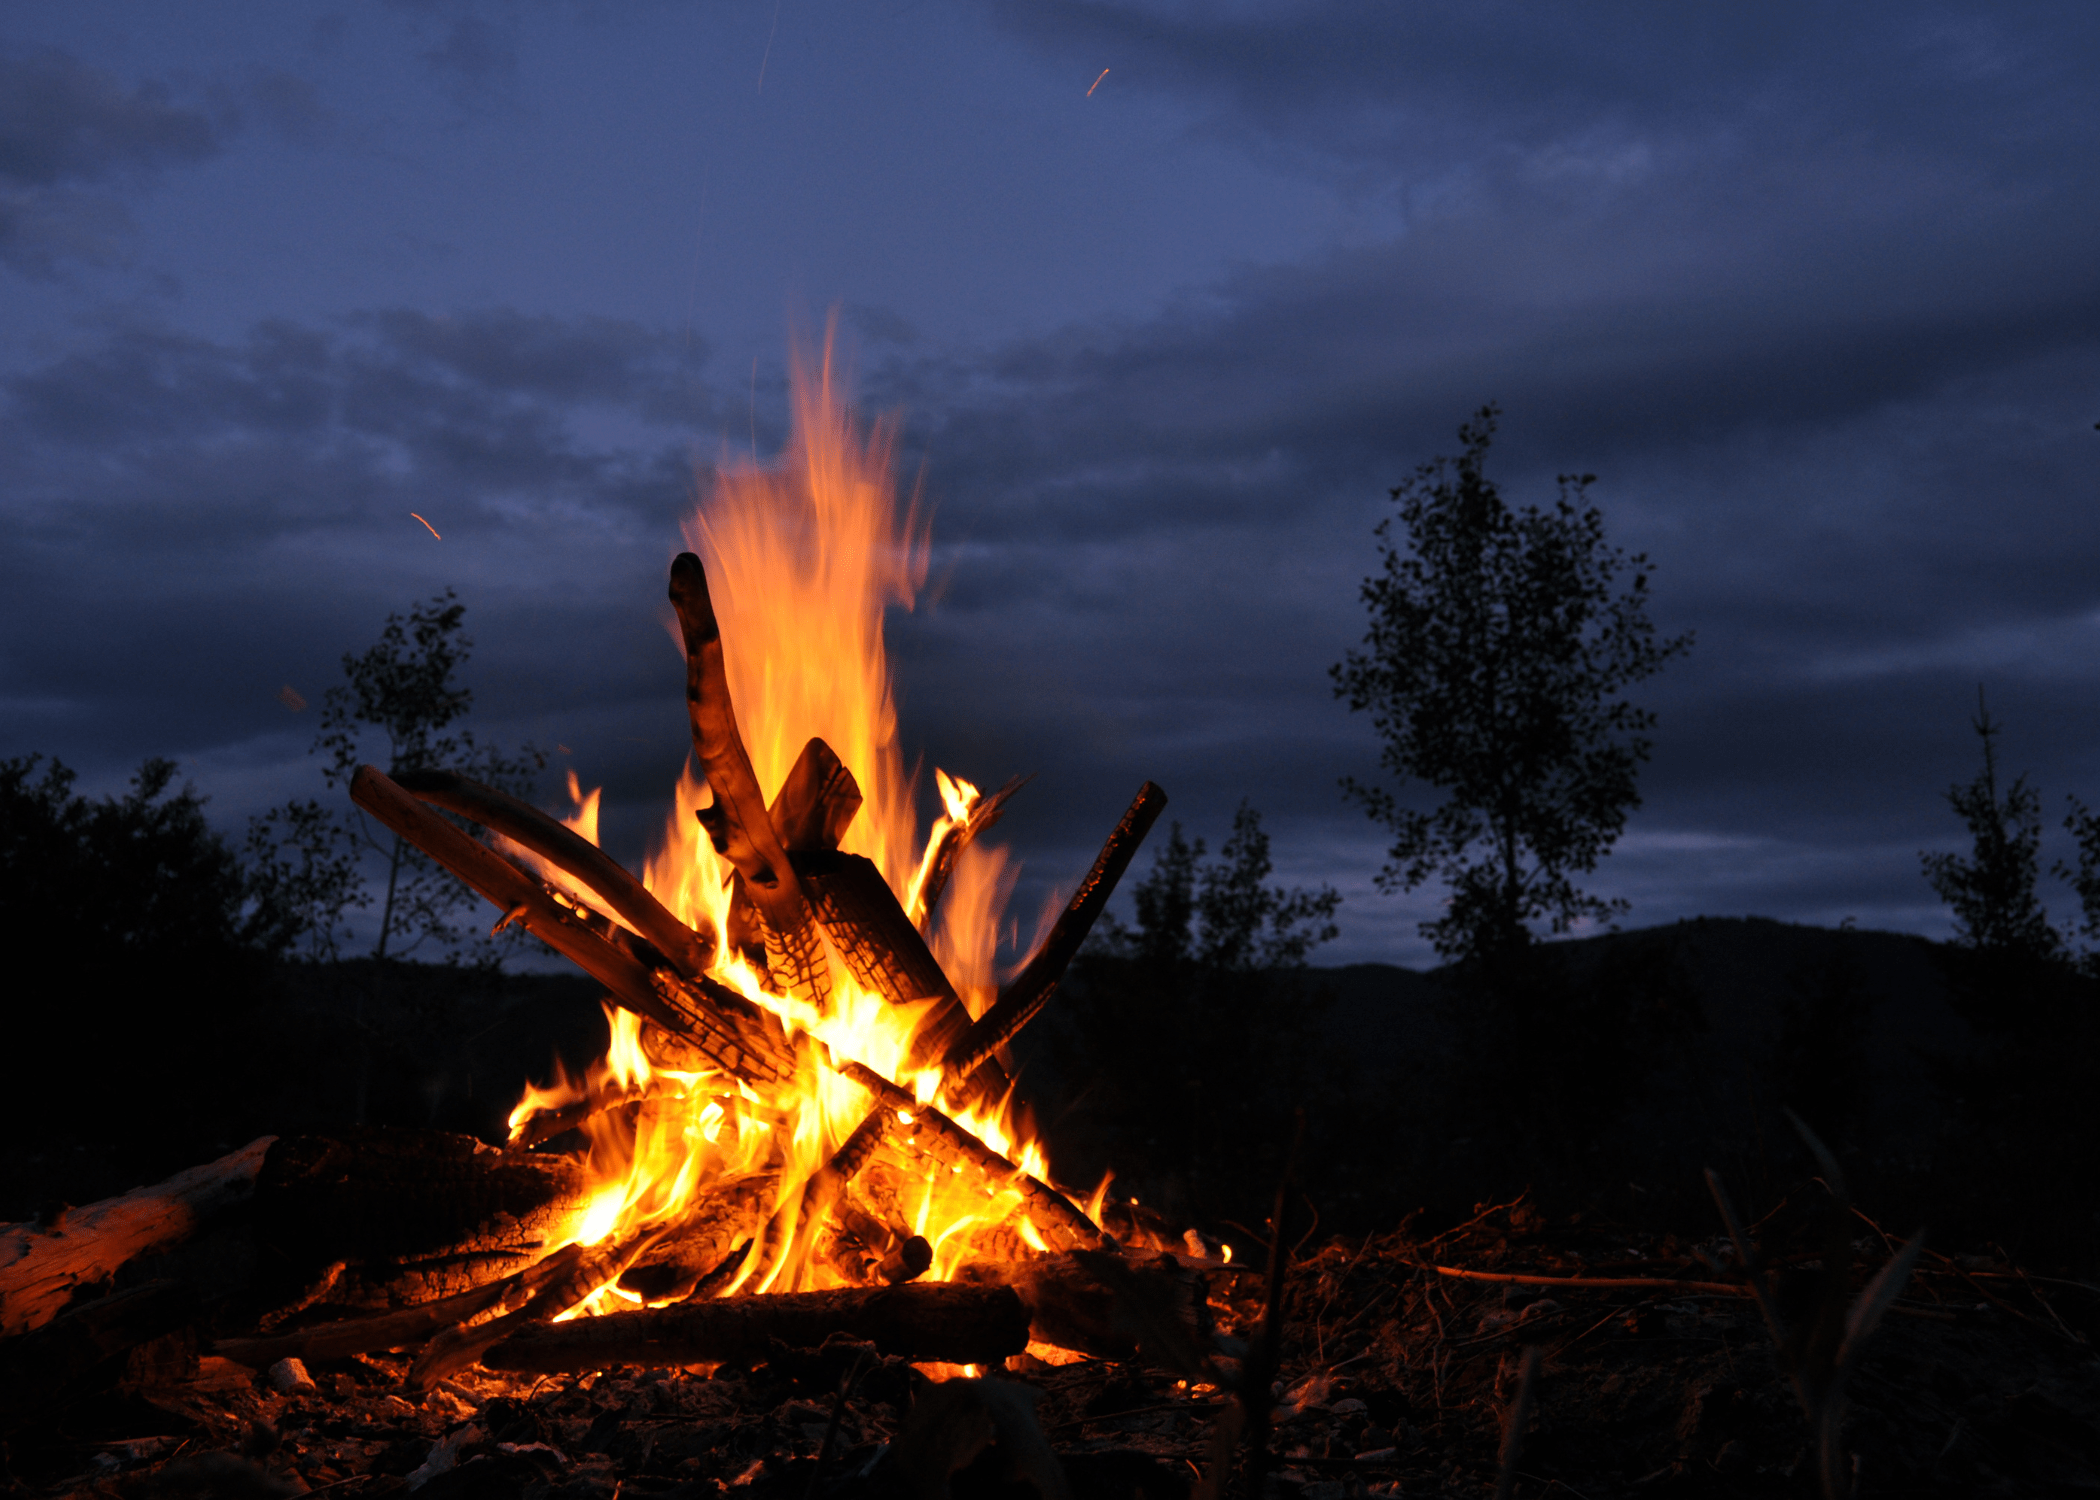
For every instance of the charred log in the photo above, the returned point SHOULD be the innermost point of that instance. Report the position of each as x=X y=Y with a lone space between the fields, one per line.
x=736 y=1035
x=580 y=1276
x=1024 y=996
x=742 y=825
x=817 y=802
x=1051 y=1212
x=732 y=1213
x=1103 y=1303
x=398 y=1330
x=617 y=890
x=921 y=1321
x=414 y=1215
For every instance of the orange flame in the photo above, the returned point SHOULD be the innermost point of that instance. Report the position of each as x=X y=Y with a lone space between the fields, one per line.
x=802 y=559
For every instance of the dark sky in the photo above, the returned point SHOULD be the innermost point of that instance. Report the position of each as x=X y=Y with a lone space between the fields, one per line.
x=1814 y=290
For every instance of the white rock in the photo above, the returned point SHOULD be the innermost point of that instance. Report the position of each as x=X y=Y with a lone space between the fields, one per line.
x=289 y=1375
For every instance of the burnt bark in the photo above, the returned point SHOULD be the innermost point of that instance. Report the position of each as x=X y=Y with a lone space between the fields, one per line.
x=739 y=822
x=43 y=1266
x=614 y=887
x=736 y=1035
x=1022 y=998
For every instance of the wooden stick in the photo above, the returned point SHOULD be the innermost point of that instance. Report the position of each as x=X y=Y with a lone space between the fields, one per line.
x=1727 y=1288
x=742 y=823
x=1022 y=998
x=918 y=1321
x=723 y=1026
x=567 y=849
x=954 y=839
x=1053 y=1214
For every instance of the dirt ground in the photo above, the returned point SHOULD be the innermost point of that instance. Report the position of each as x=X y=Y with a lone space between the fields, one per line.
x=1394 y=1379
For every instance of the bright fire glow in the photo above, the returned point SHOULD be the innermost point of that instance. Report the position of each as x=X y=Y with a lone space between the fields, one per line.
x=802 y=559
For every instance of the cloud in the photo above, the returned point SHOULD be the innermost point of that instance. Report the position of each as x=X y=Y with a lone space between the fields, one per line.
x=64 y=124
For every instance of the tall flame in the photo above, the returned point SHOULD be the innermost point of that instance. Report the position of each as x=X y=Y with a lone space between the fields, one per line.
x=802 y=558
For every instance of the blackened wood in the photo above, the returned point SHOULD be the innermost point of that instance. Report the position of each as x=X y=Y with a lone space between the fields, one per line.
x=41 y=1268
x=458 y=1347
x=1054 y=1216
x=1111 y=1305
x=912 y=1259
x=918 y=1322
x=884 y=950
x=722 y=1025
x=397 y=1330
x=1023 y=997
x=415 y=1214
x=881 y=948
x=953 y=840
x=741 y=824
x=730 y=1214
x=560 y=845
x=817 y=802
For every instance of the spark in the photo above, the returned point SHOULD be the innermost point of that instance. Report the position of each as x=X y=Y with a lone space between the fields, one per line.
x=427 y=526
x=1096 y=84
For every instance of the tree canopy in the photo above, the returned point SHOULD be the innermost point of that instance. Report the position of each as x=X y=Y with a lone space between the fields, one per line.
x=400 y=706
x=1499 y=642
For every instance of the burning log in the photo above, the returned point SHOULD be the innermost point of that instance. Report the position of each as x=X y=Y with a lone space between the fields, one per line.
x=1051 y=1212
x=616 y=890
x=581 y=1275
x=742 y=826
x=885 y=952
x=731 y=1032
x=918 y=1321
x=940 y=861
x=1022 y=998
x=730 y=1214
x=42 y=1265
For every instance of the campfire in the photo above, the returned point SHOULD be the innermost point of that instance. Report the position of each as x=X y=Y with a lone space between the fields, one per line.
x=806 y=1098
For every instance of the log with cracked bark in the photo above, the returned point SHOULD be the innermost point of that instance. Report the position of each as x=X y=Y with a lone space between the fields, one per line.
x=411 y=1215
x=609 y=884
x=736 y=1035
x=739 y=823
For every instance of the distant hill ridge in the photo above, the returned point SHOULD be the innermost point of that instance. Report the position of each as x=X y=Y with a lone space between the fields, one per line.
x=1741 y=972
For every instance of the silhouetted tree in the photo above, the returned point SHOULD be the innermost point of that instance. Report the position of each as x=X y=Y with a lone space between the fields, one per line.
x=400 y=708
x=2023 y=1090
x=142 y=951
x=1498 y=644
x=1991 y=893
